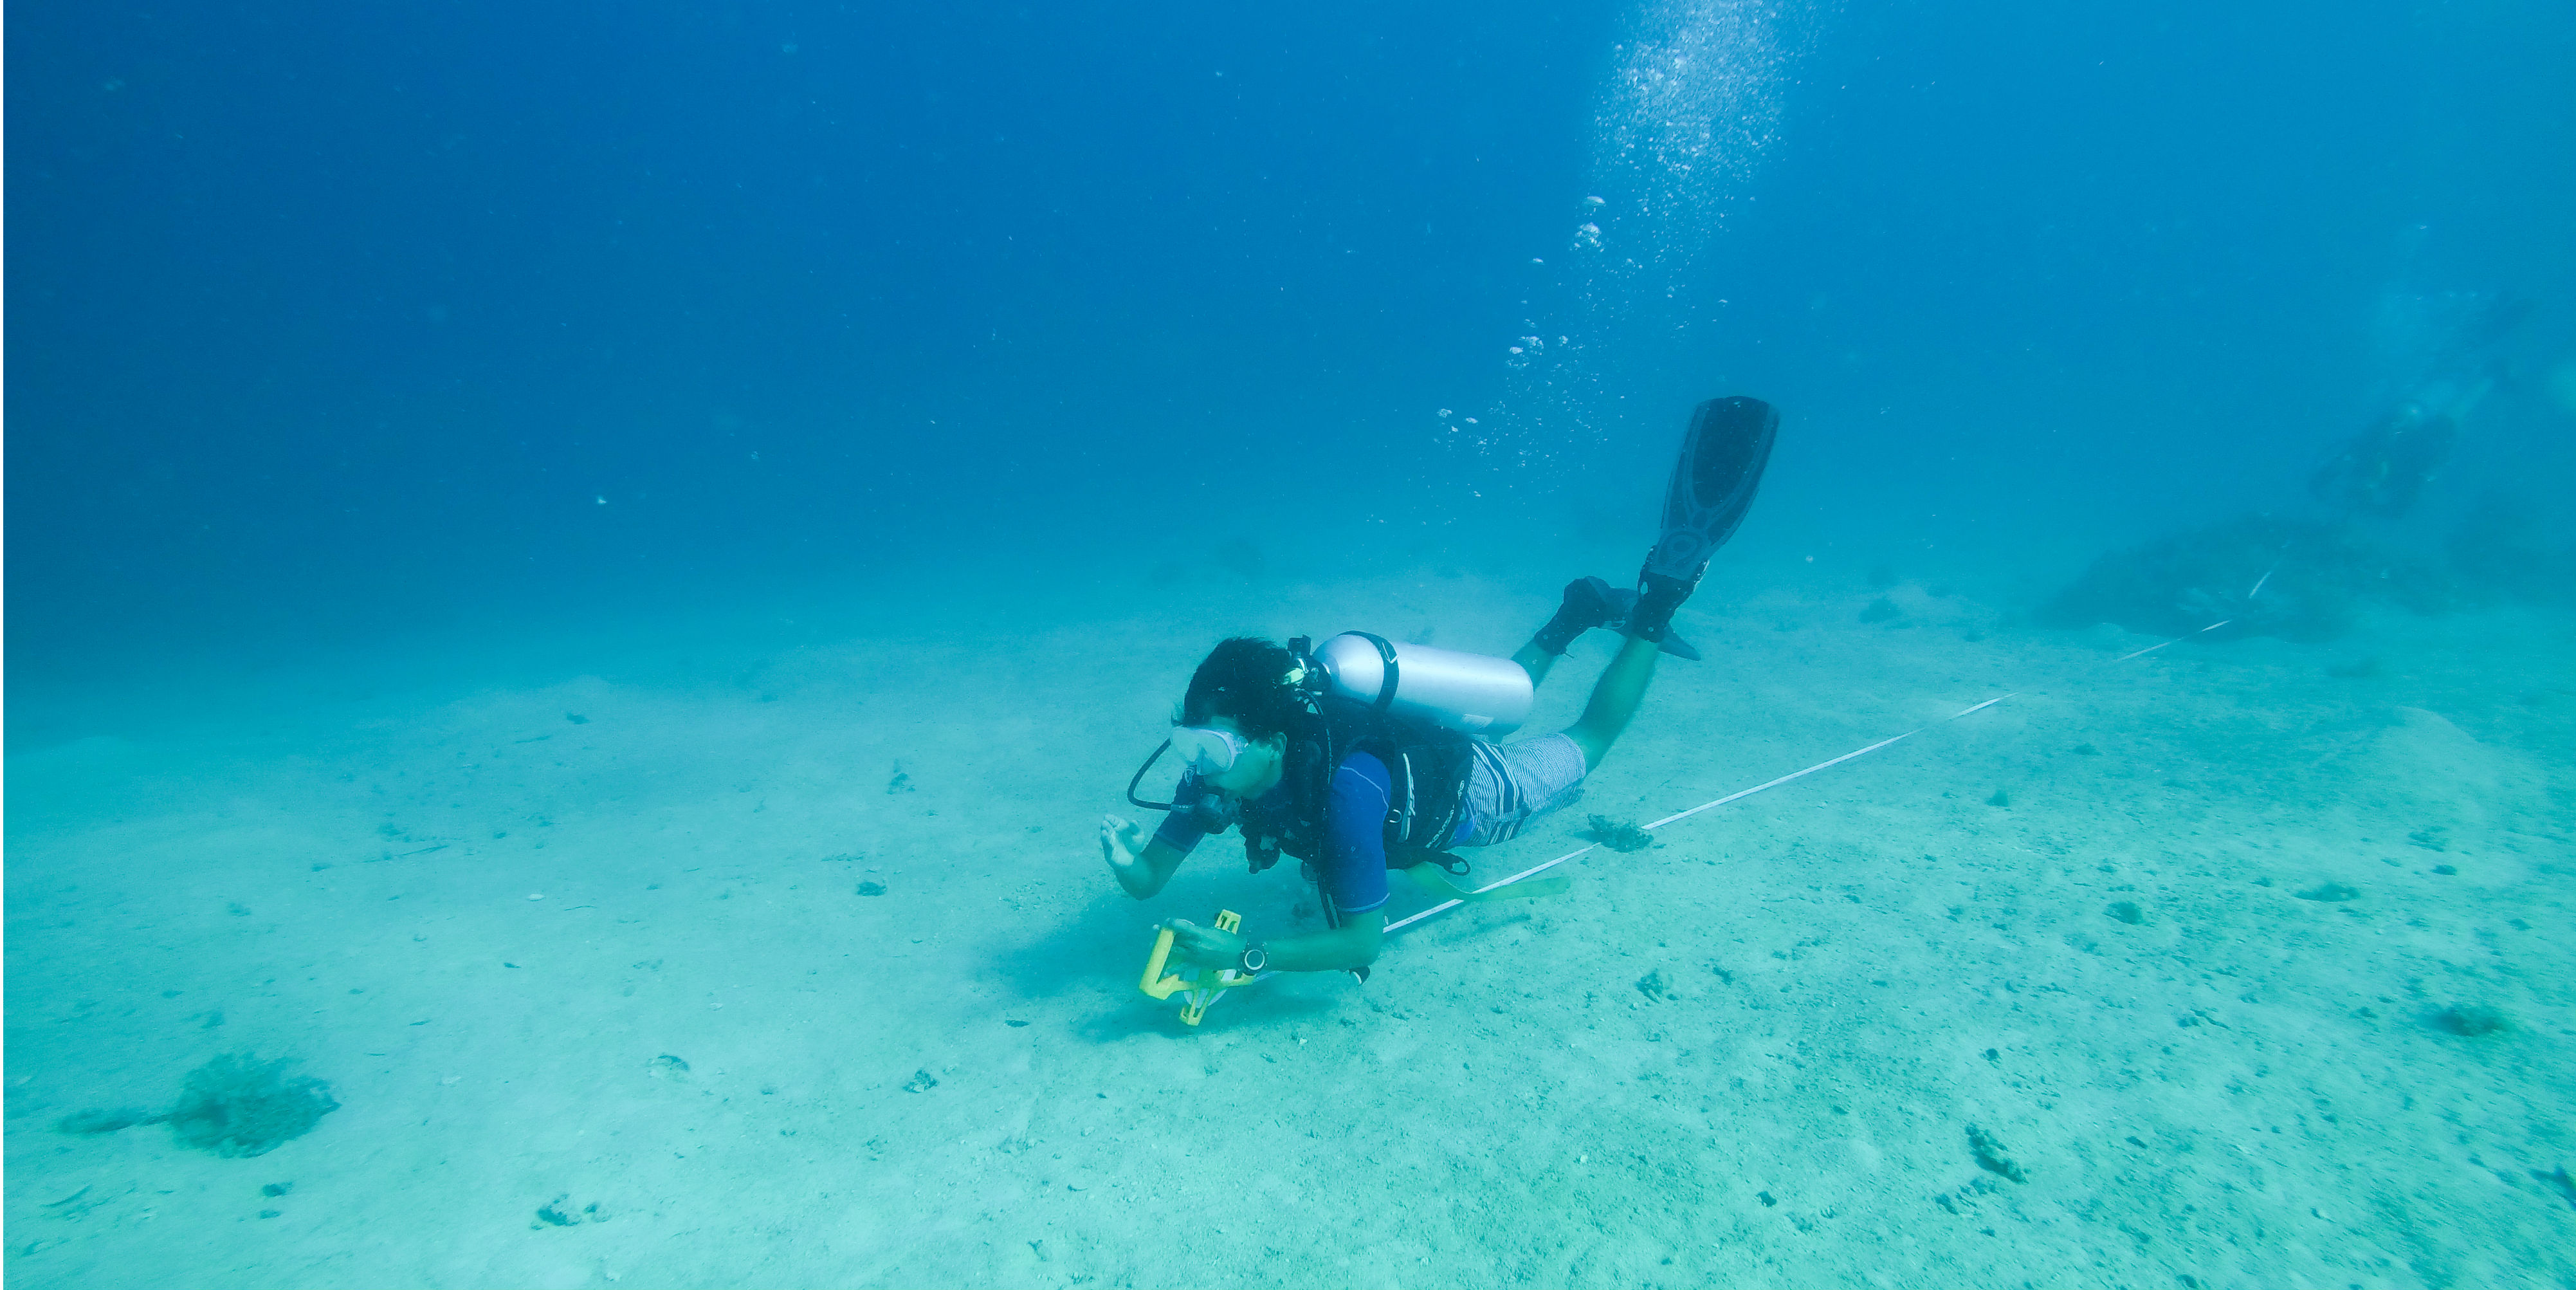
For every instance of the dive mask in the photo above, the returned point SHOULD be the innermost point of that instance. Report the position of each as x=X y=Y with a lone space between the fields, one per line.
x=1209 y=751
x=1205 y=807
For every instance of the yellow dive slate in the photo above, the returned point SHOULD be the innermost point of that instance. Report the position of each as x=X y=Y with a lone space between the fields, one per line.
x=1201 y=987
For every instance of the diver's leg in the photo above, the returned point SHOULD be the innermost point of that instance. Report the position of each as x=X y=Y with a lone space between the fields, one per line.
x=1614 y=699
x=1535 y=660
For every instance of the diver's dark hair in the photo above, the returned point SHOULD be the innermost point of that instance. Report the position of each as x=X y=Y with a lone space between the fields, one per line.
x=1245 y=680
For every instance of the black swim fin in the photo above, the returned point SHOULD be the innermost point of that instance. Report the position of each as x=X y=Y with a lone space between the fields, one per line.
x=1624 y=605
x=1593 y=602
x=1723 y=453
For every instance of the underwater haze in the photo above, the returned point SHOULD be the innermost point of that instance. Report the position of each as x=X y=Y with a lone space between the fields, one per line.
x=581 y=579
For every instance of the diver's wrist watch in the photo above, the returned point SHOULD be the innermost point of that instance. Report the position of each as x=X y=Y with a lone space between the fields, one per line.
x=1255 y=958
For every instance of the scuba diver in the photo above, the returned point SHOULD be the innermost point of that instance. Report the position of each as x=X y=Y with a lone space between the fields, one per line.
x=2450 y=340
x=2380 y=471
x=1363 y=755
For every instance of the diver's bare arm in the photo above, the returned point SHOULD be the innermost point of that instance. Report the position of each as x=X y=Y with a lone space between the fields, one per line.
x=1354 y=944
x=1151 y=870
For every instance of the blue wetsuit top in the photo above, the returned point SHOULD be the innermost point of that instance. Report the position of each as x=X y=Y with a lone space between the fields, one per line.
x=1353 y=870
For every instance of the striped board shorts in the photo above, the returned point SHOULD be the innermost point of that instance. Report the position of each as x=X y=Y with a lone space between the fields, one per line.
x=1511 y=784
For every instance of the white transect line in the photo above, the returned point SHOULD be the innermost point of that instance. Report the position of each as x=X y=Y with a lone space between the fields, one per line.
x=1447 y=905
x=2178 y=639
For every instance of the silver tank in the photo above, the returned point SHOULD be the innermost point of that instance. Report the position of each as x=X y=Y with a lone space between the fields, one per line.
x=1476 y=693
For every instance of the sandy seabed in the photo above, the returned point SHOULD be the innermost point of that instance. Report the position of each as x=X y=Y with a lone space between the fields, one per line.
x=802 y=969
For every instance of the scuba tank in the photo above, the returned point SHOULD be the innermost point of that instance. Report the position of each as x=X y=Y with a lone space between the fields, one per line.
x=1475 y=694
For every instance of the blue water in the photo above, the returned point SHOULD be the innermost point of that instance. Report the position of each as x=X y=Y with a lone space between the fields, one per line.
x=847 y=394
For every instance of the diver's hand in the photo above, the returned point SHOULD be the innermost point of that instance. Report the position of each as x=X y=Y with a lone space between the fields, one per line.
x=1204 y=947
x=1121 y=842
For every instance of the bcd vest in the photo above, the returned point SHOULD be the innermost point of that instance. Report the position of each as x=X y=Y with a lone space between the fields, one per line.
x=1427 y=768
